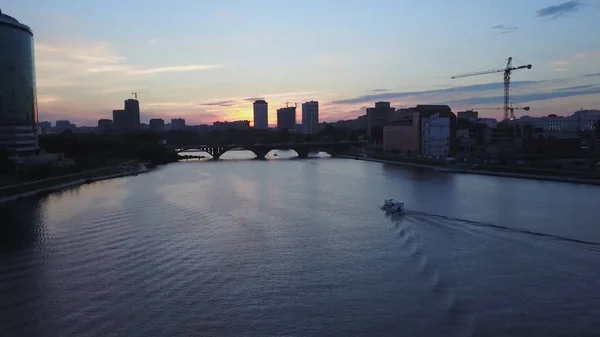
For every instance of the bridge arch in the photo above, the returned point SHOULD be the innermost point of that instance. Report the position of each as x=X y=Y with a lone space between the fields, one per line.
x=261 y=150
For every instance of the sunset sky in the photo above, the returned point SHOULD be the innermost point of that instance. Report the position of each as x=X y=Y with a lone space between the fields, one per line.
x=208 y=60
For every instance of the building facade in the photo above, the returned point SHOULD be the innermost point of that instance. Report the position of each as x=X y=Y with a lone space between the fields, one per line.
x=310 y=117
x=403 y=135
x=435 y=136
x=157 y=125
x=132 y=106
x=286 y=118
x=18 y=96
x=427 y=130
x=378 y=116
x=261 y=114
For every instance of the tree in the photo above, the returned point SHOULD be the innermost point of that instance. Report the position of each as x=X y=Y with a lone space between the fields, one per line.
x=597 y=128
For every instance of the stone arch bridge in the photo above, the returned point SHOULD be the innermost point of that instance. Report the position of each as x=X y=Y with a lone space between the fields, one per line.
x=261 y=150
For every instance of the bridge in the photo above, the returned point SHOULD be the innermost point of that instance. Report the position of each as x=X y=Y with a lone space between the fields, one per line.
x=261 y=150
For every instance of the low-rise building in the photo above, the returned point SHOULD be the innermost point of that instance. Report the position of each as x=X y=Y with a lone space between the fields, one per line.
x=237 y=125
x=403 y=135
x=427 y=130
x=105 y=126
x=157 y=125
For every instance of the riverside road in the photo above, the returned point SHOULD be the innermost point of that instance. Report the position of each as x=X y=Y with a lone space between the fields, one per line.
x=287 y=247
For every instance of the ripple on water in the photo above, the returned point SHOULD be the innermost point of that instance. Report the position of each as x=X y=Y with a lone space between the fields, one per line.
x=298 y=248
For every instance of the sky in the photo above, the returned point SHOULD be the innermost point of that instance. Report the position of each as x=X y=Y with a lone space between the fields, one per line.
x=206 y=60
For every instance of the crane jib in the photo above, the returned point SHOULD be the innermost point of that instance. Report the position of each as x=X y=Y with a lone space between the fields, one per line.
x=507 y=72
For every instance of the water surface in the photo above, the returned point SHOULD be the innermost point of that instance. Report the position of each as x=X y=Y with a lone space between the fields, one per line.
x=289 y=247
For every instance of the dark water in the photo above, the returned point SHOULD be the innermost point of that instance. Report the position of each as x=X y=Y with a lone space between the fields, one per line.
x=300 y=248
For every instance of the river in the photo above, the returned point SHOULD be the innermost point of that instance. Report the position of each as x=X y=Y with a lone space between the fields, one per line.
x=288 y=247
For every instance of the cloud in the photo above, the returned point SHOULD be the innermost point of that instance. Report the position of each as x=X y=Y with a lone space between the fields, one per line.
x=154 y=41
x=252 y=99
x=504 y=29
x=133 y=71
x=563 y=65
x=48 y=99
x=577 y=87
x=194 y=67
x=70 y=65
x=591 y=75
x=561 y=10
x=169 y=105
x=530 y=97
x=221 y=103
x=399 y=95
x=378 y=90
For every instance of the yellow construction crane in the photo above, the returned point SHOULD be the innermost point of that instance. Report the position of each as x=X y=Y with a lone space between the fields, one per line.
x=507 y=72
x=511 y=108
x=136 y=93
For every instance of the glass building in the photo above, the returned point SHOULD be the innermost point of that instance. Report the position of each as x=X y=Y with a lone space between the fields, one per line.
x=18 y=101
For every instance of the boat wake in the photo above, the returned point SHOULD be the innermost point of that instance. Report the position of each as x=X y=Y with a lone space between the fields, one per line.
x=505 y=228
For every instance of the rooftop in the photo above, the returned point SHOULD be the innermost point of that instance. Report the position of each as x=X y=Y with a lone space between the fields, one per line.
x=7 y=19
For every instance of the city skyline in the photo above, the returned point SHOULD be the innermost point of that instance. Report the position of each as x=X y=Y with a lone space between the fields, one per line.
x=210 y=62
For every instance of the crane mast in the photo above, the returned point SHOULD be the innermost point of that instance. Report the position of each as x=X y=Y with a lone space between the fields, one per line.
x=507 y=73
x=136 y=93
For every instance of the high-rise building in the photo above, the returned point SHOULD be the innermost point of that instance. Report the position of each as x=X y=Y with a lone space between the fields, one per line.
x=286 y=118
x=177 y=124
x=123 y=121
x=310 y=117
x=261 y=115
x=132 y=106
x=157 y=125
x=18 y=97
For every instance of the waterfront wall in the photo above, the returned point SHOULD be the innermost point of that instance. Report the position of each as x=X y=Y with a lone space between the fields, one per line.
x=25 y=189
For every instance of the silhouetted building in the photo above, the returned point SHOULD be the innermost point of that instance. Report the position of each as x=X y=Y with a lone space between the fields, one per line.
x=105 y=126
x=43 y=127
x=63 y=125
x=261 y=115
x=286 y=118
x=378 y=116
x=124 y=121
x=18 y=101
x=177 y=124
x=469 y=115
x=157 y=125
x=236 y=125
x=132 y=106
x=310 y=117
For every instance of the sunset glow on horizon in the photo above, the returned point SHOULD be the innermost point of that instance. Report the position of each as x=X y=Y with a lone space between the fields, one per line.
x=208 y=61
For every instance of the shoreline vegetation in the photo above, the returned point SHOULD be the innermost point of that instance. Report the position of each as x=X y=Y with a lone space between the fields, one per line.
x=567 y=176
x=98 y=157
x=49 y=185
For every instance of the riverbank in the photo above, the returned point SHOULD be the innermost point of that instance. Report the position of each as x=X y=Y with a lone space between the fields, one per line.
x=45 y=186
x=498 y=172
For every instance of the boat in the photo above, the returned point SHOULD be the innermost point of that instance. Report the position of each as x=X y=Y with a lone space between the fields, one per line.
x=393 y=206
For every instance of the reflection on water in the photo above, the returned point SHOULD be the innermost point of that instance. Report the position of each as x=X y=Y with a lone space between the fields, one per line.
x=300 y=247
